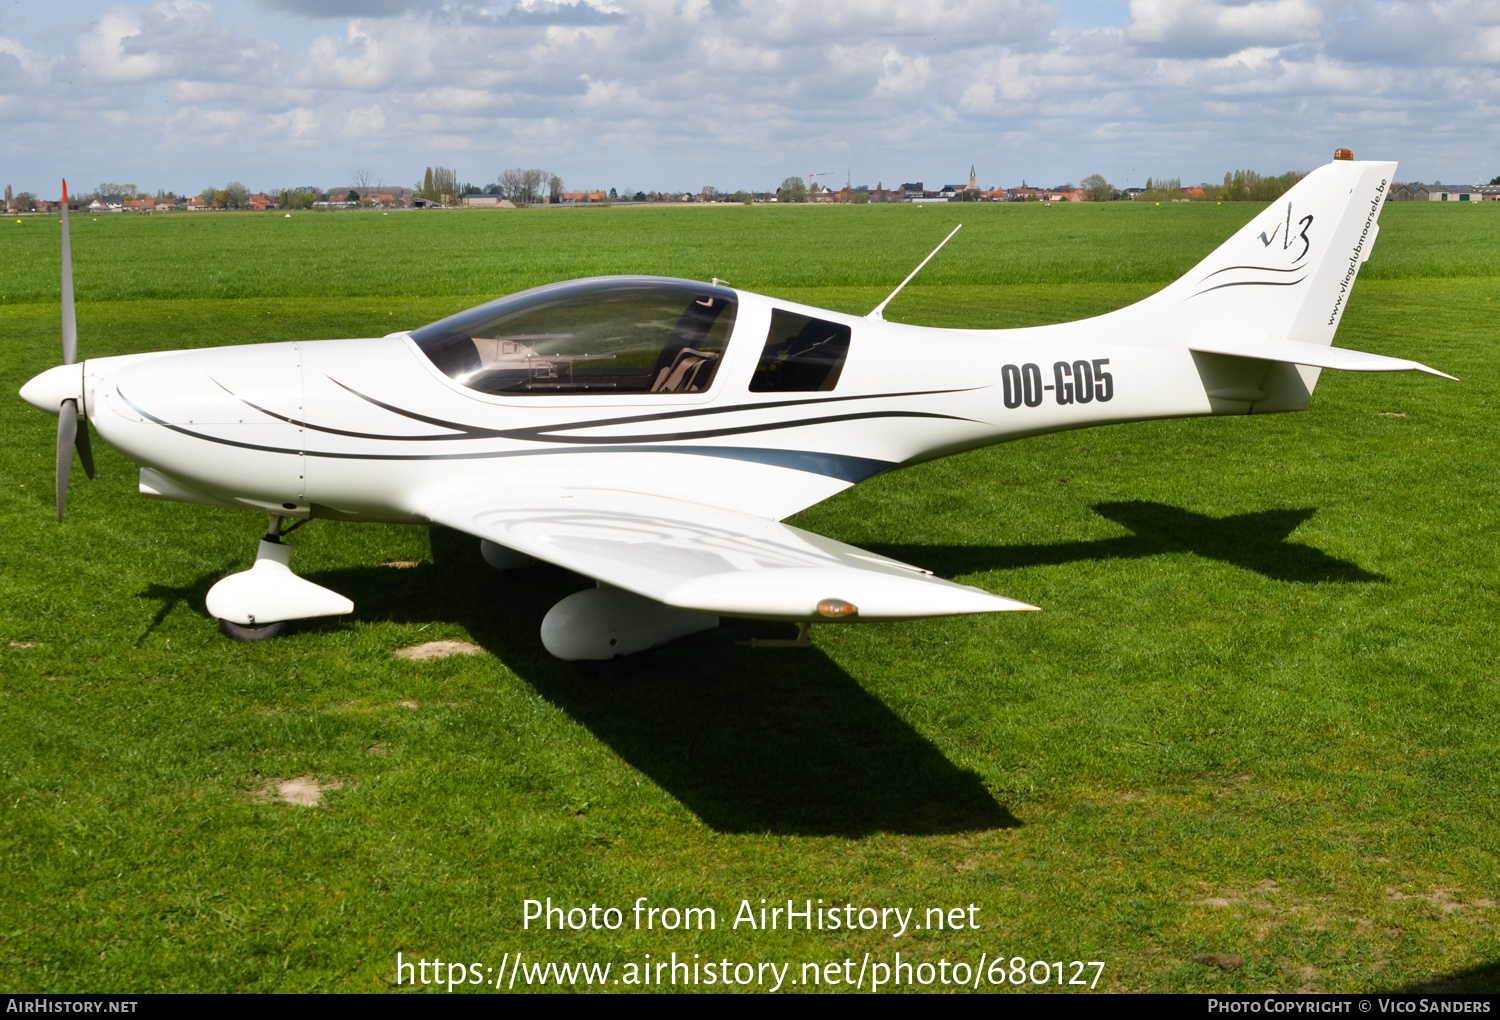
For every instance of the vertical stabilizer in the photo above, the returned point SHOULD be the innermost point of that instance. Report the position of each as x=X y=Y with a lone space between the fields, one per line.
x=1286 y=274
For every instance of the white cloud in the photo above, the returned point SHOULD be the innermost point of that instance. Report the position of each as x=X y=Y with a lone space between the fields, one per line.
x=298 y=123
x=364 y=122
x=102 y=51
x=1215 y=27
x=675 y=93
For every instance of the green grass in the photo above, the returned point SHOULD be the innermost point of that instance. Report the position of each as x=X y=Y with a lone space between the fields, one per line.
x=1257 y=716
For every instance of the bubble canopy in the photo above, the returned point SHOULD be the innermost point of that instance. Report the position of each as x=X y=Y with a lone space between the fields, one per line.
x=609 y=334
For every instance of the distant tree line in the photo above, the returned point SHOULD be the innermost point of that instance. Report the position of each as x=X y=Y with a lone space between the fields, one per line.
x=526 y=187
x=793 y=189
x=233 y=195
x=1238 y=186
x=1163 y=189
x=1249 y=186
x=531 y=186
x=439 y=184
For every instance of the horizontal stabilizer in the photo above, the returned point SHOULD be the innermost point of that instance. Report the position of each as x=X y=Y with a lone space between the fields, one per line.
x=705 y=559
x=1315 y=355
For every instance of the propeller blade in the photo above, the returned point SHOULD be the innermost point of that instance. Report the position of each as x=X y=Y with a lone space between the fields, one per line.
x=69 y=317
x=67 y=433
x=85 y=449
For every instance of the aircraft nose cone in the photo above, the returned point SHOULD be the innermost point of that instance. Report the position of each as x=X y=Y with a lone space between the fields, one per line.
x=47 y=391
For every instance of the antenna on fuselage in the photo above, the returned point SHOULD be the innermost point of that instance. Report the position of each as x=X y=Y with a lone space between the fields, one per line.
x=879 y=312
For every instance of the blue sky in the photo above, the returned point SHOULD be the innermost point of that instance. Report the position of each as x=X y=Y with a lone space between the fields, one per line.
x=679 y=94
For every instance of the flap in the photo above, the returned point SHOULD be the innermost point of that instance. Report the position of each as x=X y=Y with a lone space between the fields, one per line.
x=703 y=558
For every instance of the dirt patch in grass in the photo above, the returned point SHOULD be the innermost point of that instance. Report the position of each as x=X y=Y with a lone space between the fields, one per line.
x=409 y=704
x=22 y=644
x=299 y=791
x=438 y=650
x=1443 y=899
x=1256 y=896
x=402 y=564
x=1224 y=961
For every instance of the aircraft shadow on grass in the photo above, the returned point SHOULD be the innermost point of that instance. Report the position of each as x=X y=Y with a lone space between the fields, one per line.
x=191 y=595
x=1483 y=978
x=1253 y=541
x=775 y=740
x=764 y=741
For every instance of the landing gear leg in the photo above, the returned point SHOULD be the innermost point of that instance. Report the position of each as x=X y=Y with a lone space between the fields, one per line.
x=260 y=603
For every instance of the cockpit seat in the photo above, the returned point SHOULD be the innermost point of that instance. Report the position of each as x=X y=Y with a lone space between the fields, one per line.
x=681 y=376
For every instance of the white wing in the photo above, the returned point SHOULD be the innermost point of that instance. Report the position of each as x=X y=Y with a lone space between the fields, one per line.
x=702 y=558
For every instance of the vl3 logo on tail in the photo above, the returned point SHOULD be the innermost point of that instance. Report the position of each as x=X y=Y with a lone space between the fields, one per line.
x=1288 y=239
x=1296 y=242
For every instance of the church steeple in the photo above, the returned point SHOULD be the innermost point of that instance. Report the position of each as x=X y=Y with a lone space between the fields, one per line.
x=973 y=180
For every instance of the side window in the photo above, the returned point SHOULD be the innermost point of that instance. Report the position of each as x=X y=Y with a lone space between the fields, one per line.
x=802 y=354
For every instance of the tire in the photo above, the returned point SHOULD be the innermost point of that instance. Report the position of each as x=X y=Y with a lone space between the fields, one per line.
x=253 y=632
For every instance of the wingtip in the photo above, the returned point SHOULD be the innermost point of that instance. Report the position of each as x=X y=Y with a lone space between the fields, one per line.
x=1431 y=371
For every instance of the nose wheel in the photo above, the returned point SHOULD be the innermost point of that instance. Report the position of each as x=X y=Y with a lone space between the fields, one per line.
x=252 y=632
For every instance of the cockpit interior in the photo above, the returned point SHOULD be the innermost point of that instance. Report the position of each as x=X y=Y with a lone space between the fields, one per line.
x=604 y=335
x=625 y=334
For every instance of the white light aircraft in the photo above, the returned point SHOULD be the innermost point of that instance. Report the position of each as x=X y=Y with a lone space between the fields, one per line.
x=651 y=433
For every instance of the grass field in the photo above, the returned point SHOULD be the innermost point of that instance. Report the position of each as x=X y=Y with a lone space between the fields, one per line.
x=1258 y=717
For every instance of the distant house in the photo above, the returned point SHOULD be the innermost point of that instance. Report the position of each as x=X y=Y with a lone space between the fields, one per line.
x=1419 y=192
x=476 y=202
x=1066 y=193
x=108 y=203
x=1487 y=192
x=260 y=203
x=139 y=205
x=584 y=196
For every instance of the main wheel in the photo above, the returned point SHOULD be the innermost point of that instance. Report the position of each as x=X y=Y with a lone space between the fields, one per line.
x=253 y=631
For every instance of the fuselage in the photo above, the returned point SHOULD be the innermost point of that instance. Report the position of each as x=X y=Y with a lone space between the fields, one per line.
x=650 y=433
x=359 y=429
